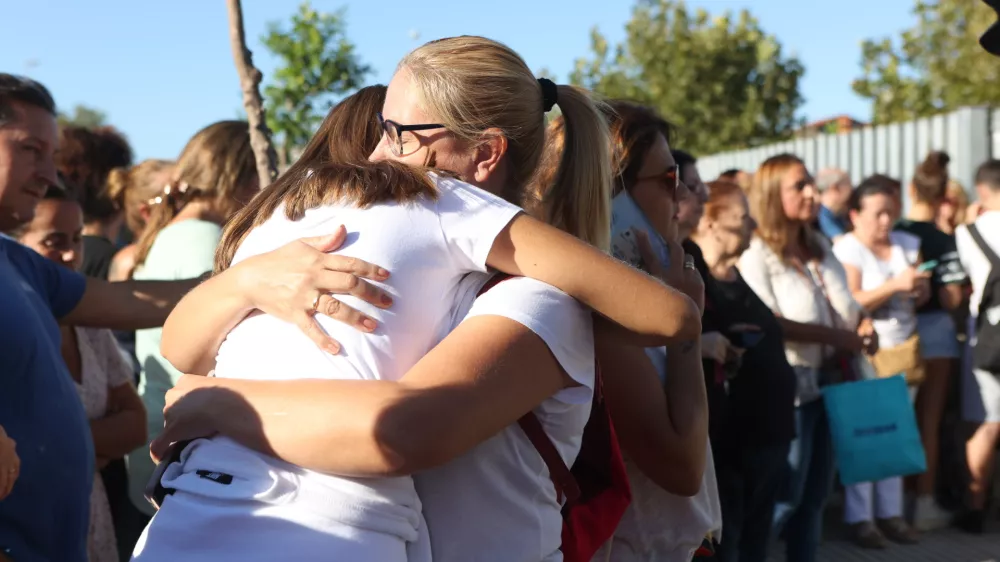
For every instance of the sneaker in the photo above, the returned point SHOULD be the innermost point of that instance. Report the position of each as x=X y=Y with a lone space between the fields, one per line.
x=867 y=535
x=896 y=530
x=929 y=516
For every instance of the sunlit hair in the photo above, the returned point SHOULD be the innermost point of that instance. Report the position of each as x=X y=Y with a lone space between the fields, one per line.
x=132 y=188
x=773 y=225
x=473 y=84
x=334 y=167
x=959 y=199
x=85 y=158
x=213 y=166
x=585 y=214
x=930 y=180
x=721 y=197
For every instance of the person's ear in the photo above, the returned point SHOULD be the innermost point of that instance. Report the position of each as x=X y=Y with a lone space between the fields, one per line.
x=489 y=153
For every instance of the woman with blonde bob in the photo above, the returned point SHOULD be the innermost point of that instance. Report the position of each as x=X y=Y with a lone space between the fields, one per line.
x=424 y=412
x=793 y=270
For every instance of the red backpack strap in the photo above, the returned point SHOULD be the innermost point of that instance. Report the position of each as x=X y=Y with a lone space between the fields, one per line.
x=562 y=478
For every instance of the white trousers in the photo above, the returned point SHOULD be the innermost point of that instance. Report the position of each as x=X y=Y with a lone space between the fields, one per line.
x=860 y=505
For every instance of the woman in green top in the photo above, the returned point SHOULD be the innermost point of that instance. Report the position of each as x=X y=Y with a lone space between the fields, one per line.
x=214 y=177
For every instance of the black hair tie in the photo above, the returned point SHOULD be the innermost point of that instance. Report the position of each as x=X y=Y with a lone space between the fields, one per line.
x=550 y=94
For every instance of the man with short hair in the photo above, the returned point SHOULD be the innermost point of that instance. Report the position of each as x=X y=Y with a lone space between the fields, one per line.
x=981 y=396
x=835 y=191
x=45 y=517
x=692 y=207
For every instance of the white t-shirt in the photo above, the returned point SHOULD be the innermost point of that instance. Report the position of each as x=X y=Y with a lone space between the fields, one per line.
x=973 y=260
x=497 y=501
x=428 y=246
x=896 y=320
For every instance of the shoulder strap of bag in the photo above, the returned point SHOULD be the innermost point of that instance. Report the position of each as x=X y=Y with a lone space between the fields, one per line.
x=977 y=237
x=562 y=477
x=563 y=480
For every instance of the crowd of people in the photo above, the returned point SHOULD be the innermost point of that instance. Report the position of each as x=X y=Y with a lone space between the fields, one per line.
x=408 y=345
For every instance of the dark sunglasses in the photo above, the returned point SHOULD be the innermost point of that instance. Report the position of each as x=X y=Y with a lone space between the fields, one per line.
x=394 y=132
x=671 y=177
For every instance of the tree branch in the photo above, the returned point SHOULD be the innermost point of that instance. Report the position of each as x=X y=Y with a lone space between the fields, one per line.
x=260 y=135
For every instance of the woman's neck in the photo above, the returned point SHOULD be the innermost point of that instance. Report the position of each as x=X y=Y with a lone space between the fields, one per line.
x=921 y=212
x=198 y=209
x=720 y=265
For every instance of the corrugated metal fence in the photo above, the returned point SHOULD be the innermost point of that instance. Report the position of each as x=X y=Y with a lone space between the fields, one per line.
x=970 y=135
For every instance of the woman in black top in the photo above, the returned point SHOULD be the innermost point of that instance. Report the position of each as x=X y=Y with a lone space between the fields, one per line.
x=938 y=335
x=752 y=420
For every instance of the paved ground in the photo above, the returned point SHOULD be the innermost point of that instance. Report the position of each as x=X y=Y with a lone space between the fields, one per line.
x=938 y=546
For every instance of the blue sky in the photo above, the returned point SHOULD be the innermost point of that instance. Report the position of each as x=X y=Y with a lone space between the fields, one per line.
x=162 y=70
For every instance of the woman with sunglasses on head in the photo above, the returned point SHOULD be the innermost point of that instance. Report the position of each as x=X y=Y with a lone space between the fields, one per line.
x=396 y=531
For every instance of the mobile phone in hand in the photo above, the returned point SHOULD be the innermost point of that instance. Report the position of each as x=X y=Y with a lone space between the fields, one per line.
x=745 y=339
x=929 y=265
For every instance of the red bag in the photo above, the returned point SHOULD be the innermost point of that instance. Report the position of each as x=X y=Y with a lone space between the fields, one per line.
x=596 y=490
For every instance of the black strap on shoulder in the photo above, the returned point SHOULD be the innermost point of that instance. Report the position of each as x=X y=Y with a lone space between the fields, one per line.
x=977 y=237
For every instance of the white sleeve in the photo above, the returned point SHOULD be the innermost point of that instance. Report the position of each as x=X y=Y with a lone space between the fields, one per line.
x=847 y=250
x=470 y=221
x=753 y=269
x=563 y=324
x=964 y=244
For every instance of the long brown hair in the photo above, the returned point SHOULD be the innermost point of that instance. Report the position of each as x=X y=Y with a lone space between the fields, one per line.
x=214 y=165
x=334 y=167
x=767 y=209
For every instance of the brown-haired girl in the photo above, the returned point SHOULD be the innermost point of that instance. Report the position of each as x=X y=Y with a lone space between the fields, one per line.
x=215 y=175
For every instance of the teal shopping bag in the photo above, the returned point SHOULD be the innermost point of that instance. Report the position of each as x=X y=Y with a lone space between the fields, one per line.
x=874 y=430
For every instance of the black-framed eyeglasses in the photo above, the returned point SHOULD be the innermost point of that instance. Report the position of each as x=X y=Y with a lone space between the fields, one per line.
x=394 y=132
x=671 y=177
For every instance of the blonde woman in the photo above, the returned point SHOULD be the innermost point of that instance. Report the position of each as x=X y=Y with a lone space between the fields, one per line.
x=215 y=176
x=793 y=270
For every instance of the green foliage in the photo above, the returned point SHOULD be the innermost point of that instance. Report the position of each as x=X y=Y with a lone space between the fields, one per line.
x=935 y=66
x=318 y=65
x=84 y=116
x=722 y=80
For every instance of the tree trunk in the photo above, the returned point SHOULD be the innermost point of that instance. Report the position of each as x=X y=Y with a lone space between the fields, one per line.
x=260 y=136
